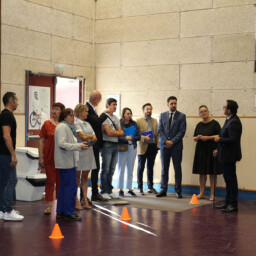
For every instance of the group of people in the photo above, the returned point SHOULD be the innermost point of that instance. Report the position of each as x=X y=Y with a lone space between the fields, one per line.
x=70 y=147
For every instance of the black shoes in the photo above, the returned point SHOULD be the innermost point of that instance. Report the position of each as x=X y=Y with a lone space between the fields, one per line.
x=221 y=207
x=98 y=197
x=121 y=193
x=131 y=193
x=179 y=195
x=60 y=215
x=73 y=216
x=230 y=208
x=161 y=194
x=226 y=208
x=152 y=191
x=141 y=192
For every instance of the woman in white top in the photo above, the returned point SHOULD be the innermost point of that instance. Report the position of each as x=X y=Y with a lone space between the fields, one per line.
x=86 y=162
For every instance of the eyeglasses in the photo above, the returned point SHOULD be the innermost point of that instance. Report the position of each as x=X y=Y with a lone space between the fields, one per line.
x=203 y=111
x=56 y=108
x=70 y=115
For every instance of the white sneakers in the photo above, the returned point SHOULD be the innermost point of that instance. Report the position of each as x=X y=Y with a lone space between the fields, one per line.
x=106 y=196
x=110 y=196
x=1 y=215
x=114 y=196
x=13 y=216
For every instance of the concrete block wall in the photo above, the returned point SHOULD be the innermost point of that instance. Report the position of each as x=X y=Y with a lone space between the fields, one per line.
x=202 y=51
x=36 y=35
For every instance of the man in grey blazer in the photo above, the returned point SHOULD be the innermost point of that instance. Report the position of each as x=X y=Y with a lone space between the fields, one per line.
x=171 y=130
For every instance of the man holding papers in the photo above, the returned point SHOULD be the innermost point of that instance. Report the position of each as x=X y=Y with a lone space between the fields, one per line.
x=171 y=130
x=147 y=147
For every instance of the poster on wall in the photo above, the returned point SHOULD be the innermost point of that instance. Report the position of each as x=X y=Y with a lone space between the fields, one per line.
x=117 y=98
x=39 y=106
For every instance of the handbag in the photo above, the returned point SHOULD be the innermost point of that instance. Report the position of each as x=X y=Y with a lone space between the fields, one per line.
x=123 y=147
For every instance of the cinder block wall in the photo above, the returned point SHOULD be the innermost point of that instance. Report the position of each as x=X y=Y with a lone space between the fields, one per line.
x=202 y=51
x=36 y=35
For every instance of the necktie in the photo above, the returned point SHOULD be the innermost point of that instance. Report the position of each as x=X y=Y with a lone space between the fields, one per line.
x=170 y=121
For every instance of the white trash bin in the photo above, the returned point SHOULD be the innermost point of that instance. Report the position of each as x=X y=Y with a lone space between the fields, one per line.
x=31 y=183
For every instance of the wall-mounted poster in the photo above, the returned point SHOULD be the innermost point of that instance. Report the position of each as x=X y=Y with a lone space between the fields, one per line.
x=39 y=106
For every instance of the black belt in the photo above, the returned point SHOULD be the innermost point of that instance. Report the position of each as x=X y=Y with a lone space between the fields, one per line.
x=110 y=142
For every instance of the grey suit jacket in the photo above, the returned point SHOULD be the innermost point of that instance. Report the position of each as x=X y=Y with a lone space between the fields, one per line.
x=177 y=132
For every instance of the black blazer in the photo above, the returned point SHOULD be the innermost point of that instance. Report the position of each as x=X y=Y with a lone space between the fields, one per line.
x=96 y=123
x=229 y=143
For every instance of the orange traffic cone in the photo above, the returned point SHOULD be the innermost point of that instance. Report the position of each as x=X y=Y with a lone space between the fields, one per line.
x=125 y=215
x=56 y=233
x=194 y=200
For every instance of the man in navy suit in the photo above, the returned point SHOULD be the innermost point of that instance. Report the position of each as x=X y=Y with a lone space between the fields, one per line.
x=171 y=130
x=229 y=151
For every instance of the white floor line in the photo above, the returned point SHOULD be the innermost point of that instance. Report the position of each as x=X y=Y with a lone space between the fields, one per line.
x=107 y=210
x=145 y=225
x=125 y=223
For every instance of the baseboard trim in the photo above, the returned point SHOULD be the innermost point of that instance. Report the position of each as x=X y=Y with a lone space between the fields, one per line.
x=192 y=189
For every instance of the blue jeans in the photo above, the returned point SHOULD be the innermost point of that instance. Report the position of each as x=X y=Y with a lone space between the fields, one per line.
x=8 y=181
x=67 y=191
x=109 y=154
x=126 y=161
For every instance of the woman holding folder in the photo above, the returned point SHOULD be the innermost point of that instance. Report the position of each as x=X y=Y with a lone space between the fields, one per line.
x=127 y=151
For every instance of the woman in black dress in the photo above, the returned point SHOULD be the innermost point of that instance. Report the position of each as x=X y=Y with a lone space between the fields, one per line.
x=204 y=161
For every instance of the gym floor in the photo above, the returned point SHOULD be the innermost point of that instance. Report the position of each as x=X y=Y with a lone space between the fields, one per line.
x=197 y=231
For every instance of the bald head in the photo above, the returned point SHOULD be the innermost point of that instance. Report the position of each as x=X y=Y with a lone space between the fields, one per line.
x=95 y=98
x=94 y=95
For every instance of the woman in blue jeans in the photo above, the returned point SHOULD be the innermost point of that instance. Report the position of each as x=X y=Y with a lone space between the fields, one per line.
x=126 y=157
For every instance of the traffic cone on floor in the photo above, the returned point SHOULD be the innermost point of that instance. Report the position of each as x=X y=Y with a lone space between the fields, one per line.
x=56 y=233
x=194 y=200
x=125 y=215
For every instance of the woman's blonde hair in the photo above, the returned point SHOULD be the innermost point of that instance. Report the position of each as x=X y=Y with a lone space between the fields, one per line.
x=79 y=109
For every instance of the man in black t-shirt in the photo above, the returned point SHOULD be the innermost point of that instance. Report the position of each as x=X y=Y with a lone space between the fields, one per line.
x=8 y=159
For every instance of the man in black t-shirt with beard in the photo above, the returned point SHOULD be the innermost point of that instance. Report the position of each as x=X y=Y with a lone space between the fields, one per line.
x=8 y=159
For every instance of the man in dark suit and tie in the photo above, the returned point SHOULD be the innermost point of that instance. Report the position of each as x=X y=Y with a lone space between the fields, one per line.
x=96 y=123
x=229 y=151
x=171 y=130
